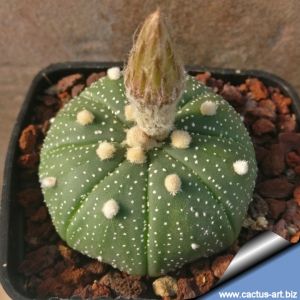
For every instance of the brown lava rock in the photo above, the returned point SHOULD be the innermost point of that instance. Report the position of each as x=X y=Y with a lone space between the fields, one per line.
x=267 y=109
x=187 y=288
x=77 y=89
x=282 y=103
x=292 y=213
x=67 y=253
x=260 y=153
x=40 y=214
x=74 y=276
x=28 y=161
x=94 y=77
x=100 y=290
x=295 y=238
x=92 y=291
x=263 y=126
x=274 y=163
x=28 y=139
x=287 y=123
x=293 y=159
x=38 y=260
x=66 y=83
x=64 y=98
x=203 y=77
x=276 y=207
x=123 y=284
x=296 y=194
x=275 y=188
x=30 y=197
x=220 y=265
x=205 y=280
x=96 y=267
x=281 y=228
x=289 y=141
x=258 y=207
x=54 y=286
x=233 y=95
x=257 y=89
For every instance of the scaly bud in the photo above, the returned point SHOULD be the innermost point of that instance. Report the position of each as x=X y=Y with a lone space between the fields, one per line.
x=154 y=78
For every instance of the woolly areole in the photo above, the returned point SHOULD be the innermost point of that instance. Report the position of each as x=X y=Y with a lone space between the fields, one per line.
x=136 y=155
x=114 y=73
x=48 y=182
x=195 y=246
x=105 y=150
x=85 y=117
x=110 y=209
x=208 y=108
x=173 y=184
x=241 y=167
x=180 y=139
x=136 y=137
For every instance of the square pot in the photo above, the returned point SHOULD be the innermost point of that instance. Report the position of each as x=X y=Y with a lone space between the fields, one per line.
x=11 y=214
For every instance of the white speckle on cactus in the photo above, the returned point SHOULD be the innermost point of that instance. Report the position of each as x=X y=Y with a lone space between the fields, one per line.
x=208 y=108
x=173 y=184
x=99 y=258
x=110 y=208
x=48 y=182
x=85 y=117
x=105 y=150
x=114 y=73
x=51 y=120
x=180 y=139
x=136 y=137
x=136 y=155
x=195 y=246
x=129 y=113
x=240 y=167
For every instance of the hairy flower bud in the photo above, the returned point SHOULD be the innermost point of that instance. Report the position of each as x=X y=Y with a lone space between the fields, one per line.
x=154 y=77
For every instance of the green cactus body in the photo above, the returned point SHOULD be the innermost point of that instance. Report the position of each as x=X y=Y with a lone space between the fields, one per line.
x=153 y=231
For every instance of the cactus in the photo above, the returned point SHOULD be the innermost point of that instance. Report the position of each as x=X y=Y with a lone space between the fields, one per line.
x=147 y=201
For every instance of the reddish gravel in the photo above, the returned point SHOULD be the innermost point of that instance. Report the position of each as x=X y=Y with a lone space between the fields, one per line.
x=51 y=268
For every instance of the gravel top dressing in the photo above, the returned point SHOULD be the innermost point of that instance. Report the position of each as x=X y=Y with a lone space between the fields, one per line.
x=51 y=268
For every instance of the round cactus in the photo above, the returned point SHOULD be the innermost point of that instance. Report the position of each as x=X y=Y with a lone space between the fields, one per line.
x=143 y=202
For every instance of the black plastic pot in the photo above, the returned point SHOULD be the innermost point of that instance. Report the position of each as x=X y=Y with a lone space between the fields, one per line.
x=11 y=216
